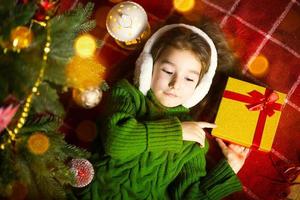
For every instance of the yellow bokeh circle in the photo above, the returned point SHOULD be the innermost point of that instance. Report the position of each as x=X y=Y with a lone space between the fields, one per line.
x=85 y=46
x=259 y=66
x=84 y=73
x=183 y=5
x=38 y=143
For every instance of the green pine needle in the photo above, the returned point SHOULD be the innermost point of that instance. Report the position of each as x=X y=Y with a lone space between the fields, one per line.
x=47 y=175
x=47 y=101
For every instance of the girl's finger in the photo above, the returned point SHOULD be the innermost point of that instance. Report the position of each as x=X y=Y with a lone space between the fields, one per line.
x=246 y=151
x=236 y=148
x=222 y=145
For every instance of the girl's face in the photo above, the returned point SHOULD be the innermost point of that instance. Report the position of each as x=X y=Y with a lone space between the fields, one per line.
x=175 y=76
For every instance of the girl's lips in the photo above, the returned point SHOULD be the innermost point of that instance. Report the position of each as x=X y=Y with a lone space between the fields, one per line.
x=170 y=94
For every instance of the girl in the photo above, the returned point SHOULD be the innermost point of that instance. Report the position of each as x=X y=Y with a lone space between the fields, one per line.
x=153 y=149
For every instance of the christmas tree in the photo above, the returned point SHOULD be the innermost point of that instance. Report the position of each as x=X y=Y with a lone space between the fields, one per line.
x=36 y=49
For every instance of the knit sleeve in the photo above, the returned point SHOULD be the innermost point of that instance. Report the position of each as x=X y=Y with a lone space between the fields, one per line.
x=127 y=137
x=194 y=183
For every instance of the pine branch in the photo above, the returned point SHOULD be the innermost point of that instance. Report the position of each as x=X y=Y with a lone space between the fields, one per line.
x=6 y=171
x=64 y=29
x=43 y=127
x=14 y=75
x=13 y=15
x=49 y=187
x=23 y=13
x=47 y=101
x=75 y=152
x=45 y=174
x=87 y=26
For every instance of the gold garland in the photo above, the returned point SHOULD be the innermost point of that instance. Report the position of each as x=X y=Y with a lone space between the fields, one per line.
x=21 y=121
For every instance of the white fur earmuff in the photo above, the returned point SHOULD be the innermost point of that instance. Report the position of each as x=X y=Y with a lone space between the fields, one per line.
x=144 y=65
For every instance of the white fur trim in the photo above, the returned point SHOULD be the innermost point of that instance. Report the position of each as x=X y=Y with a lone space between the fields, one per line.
x=144 y=65
x=145 y=76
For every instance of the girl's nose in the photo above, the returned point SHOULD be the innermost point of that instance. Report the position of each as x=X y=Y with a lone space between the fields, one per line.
x=174 y=83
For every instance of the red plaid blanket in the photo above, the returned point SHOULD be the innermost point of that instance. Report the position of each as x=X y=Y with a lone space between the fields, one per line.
x=252 y=27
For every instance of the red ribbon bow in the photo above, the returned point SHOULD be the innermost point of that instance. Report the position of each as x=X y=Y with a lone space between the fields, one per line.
x=263 y=102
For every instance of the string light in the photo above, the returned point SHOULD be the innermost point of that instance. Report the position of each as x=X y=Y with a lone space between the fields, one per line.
x=34 y=91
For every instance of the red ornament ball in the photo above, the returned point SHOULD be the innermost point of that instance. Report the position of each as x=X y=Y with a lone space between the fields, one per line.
x=83 y=170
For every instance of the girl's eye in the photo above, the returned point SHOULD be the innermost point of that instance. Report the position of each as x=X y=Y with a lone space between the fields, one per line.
x=167 y=72
x=189 y=79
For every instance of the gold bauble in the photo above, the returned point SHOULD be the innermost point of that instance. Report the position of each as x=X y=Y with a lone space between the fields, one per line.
x=38 y=143
x=88 y=98
x=21 y=37
x=83 y=73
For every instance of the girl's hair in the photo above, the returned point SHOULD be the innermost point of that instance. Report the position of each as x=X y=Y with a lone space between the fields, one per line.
x=185 y=39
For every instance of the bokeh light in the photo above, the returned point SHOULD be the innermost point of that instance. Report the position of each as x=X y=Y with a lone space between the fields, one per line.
x=84 y=73
x=85 y=46
x=193 y=14
x=86 y=131
x=38 y=143
x=183 y=5
x=259 y=66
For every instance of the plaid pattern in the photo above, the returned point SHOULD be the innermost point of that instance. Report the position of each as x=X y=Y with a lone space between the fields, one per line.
x=268 y=27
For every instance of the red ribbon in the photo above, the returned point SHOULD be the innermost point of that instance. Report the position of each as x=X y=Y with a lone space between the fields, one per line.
x=265 y=103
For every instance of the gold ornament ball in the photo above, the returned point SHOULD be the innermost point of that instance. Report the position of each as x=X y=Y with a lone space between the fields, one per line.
x=21 y=37
x=38 y=143
x=87 y=98
x=83 y=73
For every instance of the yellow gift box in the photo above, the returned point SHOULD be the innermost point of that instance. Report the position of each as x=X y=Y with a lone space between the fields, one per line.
x=248 y=114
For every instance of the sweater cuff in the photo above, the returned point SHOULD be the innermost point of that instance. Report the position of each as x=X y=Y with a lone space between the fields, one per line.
x=165 y=134
x=223 y=181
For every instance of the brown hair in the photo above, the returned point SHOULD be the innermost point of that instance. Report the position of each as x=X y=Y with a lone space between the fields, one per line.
x=185 y=39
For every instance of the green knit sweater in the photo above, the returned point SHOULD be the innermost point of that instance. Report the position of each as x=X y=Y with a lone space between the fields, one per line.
x=147 y=158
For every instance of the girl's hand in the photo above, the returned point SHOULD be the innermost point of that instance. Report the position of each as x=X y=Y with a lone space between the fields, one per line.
x=235 y=154
x=193 y=131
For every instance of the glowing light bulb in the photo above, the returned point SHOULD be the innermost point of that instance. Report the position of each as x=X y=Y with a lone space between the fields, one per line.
x=183 y=5
x=259 y=66
x=85 y=46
